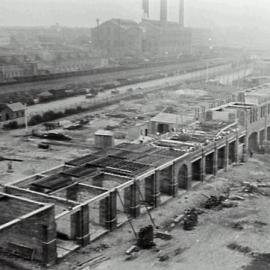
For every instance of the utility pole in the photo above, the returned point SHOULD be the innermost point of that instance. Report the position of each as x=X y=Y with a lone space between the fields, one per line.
x=98 y=37
x=26 y=120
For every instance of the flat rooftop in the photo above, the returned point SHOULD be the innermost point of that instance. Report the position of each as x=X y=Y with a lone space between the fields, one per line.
x=126 y=160
x=201 y=133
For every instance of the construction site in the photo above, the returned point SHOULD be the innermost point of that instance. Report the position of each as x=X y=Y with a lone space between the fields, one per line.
x=57 y=210
x=159 y=160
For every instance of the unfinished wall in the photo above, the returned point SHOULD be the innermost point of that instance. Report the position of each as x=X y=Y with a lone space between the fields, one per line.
x=33 y=237
x=11 y=208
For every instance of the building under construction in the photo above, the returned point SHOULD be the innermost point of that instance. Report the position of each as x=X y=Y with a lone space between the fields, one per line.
x=48 y=215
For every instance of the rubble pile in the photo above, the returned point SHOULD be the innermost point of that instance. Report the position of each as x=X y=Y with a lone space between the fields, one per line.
x=190 y=219
x=146 y=237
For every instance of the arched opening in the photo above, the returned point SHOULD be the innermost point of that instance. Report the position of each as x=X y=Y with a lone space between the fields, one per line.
x=183 y=177
x=209 y=164
x=196 y=171
x=232 y=152
x=253 y=142
x=221 y=158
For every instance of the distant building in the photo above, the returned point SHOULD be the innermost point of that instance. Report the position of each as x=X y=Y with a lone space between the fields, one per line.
x=118 y=38
x=14 y=65
x=168 y=122
x=165 y=39
x=14 y=112
x=201 y=40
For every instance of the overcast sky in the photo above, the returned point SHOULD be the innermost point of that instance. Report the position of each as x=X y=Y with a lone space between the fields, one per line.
x=206 y=13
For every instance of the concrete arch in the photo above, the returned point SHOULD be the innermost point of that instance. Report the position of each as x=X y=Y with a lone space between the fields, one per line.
x=183 y=177
x=253 y=142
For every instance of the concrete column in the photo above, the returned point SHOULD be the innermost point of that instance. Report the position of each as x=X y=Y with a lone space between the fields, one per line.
x=215 y=161
x=132 y=200
x=75 y=219
x=203 y=167
x=152 y=189
x=112 y=215
x=268 y=134
x=173 y=183
x=80 y=226
x=265 y=132
x=83 y=234
x=108 y=212
x=245 y=149
x=189 y=177
x=48 y=239
x=226 y=156
x=236 y=146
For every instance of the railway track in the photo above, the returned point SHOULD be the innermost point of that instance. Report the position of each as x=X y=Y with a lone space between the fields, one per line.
x=56 y=83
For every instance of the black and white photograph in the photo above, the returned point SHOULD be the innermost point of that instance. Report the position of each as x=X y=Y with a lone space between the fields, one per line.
x=134 y=134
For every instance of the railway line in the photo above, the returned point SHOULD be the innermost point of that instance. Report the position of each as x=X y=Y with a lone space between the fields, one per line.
x=142 y=73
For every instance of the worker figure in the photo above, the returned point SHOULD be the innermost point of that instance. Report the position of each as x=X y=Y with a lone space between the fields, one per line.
x=250 y=153
x=10 y=169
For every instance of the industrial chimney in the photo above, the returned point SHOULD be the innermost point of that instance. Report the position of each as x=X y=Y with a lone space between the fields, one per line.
x=145 y=4
x=181 y=13
x=163 y=11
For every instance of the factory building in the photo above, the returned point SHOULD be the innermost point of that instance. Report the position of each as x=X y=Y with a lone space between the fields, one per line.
x=118 y=38
x=150 y=38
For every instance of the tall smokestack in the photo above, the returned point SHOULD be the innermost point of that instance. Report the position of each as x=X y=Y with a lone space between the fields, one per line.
x=181 y=13
x=163 y=11
x=145 y=6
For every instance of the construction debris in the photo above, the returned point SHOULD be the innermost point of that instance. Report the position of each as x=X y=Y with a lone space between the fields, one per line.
x=213 y=202
x=146 y=237
x=163 y=235
x=163 y=257
x=178 y=219
x=239 y=248
x=229 y=204
x=250 y=188
x=132 y=249
x=190 y=219
x=236 y=198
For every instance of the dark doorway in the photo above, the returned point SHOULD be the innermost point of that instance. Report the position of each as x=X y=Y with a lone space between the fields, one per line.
x=183 y=177
x=253 y=142
x=163 y=128
x=196 y=170
x=232 y=153
x=221 y=158
x=209 y=164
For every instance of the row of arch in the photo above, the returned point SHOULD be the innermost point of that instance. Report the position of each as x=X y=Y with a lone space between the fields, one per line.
x=211 y=164
x=257 y=138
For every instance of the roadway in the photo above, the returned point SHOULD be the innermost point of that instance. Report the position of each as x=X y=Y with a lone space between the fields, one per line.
x=82 y=101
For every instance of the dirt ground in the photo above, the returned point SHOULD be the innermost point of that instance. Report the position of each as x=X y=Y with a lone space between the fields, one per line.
x=119 y=118
x=228 y=238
